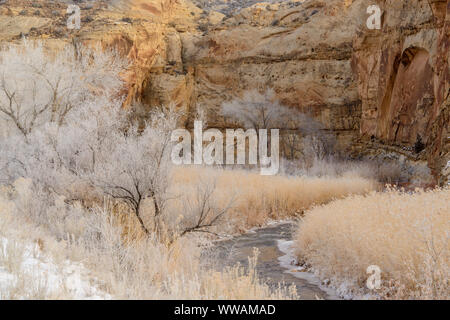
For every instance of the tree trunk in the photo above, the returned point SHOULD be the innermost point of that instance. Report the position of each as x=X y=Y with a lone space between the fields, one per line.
x=141 y=221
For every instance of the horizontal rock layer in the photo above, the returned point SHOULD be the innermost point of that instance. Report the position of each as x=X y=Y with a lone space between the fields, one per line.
x=379 y=90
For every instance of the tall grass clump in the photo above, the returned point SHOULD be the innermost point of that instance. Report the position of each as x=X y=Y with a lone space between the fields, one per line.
x=258 y=199
x=405 y=234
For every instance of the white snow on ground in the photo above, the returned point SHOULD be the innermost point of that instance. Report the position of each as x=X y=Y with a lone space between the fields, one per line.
x=41 y=271
x=288 y=261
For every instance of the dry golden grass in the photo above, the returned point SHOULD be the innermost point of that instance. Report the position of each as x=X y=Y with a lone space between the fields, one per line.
x=405 y=234
x=257 y=198
x=122 y=265
x=125 y=264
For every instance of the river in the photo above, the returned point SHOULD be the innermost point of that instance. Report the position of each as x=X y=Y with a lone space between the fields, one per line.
x=275 y=263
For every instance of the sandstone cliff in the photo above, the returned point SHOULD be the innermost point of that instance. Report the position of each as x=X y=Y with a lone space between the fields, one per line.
x=403 y=81
x=378 y=90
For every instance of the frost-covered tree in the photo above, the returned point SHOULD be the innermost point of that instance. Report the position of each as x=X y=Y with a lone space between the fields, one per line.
x=135 y=165
x=39 y=91
x=73 y=139
x=97 y=153
x=303 y=135
x=37 y=86
x=256 y=110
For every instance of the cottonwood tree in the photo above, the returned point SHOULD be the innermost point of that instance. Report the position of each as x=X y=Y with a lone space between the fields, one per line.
x=98 y=150
x=71 y=131
x=136 y=165
x=37 y=87
x=39 y=92
x=257 y=110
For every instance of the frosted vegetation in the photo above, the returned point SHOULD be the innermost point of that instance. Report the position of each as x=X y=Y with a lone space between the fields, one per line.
x=87 y=190
x=405 y=234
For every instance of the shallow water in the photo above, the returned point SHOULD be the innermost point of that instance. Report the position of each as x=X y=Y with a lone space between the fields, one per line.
x=267 y=240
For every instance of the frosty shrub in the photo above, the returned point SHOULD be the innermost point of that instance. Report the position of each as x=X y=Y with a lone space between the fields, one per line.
x=39 y=92
x=37 y=87
x=405 y=234
x=69 y=135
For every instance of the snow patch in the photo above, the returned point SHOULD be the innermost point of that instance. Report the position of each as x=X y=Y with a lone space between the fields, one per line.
x=288 y=261
x=42 y=271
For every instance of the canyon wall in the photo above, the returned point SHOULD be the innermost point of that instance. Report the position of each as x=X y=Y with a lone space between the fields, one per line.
x=385 y=93
x=403 y=81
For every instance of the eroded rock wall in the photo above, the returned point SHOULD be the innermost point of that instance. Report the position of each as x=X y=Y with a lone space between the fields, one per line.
x=403 y=81
x=378 y=90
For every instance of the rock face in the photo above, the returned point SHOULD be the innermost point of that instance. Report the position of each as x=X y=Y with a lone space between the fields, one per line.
x=378 y=90
x=403 y=80
x=302 y=51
